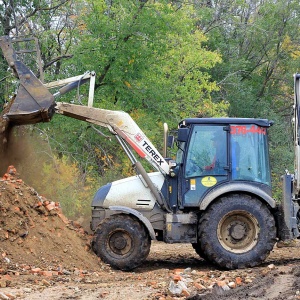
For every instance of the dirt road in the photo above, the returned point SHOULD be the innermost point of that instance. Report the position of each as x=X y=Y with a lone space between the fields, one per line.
x=277 y=278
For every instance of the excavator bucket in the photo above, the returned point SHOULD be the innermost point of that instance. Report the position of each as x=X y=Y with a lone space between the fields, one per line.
x=33 y=102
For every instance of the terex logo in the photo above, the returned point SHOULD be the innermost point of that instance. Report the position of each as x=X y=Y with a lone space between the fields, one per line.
x=154 y=155
x=138 y=137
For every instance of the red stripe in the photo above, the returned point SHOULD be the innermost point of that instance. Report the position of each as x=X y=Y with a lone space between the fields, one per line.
x=138 y=150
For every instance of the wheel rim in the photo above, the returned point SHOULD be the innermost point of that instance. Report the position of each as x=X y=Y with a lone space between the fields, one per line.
x=120 y=242
x=238 y=231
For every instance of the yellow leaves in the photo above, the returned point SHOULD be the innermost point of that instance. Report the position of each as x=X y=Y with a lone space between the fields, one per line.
x=127 y=169
x=127 y=84
x=63 y=182
x=290 y=47
x=82 y=27
x=295 y=54
x=210 y=109
x=61 y=174
x=137 y=114
x=106 y=159
x=287 y=43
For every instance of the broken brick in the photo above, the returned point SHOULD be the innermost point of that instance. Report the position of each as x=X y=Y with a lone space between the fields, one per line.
x=177 y=278
x=199 y=286
x=46 y=283
x=47 y=273
x=36 y=270
x=186 y=293
x=11 y=170
x=50 y=206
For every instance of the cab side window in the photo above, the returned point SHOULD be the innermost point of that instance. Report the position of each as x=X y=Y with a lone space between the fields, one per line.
x=207 y=152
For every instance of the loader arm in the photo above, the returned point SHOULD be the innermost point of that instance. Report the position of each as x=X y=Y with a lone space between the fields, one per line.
x=119 y=123
x=34 y=103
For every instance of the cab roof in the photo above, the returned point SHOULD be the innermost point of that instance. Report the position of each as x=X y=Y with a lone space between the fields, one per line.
x=226 y=121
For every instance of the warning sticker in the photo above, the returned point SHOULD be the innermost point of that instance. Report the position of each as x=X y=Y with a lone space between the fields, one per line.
x=209 y=181
x=193 y=184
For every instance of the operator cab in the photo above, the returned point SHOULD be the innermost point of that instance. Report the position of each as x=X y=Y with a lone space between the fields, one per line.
x=218 y=151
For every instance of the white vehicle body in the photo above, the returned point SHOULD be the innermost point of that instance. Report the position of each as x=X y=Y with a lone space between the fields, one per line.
x=130 y=192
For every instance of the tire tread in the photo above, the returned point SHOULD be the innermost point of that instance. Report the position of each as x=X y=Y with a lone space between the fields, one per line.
x=141 y=235
x=224 y=259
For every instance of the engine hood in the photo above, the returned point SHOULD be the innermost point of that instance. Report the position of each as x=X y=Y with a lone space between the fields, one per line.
x=130 y=192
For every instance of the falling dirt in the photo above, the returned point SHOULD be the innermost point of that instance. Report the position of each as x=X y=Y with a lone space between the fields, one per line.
x=16 y=143
x=21 y=151
x=4 y=133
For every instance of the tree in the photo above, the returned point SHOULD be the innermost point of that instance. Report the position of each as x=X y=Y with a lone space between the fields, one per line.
x=142 y=54
x=49 y=22
x=145 y=65
x=258 y=41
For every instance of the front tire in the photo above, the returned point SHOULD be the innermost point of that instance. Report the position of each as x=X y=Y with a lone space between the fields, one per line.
x=237 y=231
x=198 y=250
x=122 y=241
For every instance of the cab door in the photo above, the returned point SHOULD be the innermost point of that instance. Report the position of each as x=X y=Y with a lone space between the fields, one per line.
x=206 y=162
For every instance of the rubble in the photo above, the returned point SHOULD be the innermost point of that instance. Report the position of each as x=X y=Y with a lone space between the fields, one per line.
x=4 y=131
x=35 y=232
x=156 y=279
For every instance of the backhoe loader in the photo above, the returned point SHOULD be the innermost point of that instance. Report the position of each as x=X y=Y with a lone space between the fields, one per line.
x=216 y=194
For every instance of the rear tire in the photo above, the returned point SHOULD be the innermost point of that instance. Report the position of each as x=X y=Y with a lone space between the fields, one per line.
x=122 y=241
x=237 y=231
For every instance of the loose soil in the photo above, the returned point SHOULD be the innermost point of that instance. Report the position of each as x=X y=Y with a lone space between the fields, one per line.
x=43 y=255
x=4 y=132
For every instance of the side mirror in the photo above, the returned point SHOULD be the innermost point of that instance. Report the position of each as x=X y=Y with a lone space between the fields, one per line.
x=183 y=134
x=168 y=140
x=171 y=140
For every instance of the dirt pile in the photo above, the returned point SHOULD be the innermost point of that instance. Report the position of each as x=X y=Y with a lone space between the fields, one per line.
x=34 y=233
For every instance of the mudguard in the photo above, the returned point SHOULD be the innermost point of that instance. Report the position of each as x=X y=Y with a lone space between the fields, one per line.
x=236 y=187
x=137 y=214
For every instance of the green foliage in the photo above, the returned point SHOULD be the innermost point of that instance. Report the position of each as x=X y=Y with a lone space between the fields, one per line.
x=83 y=145
x=162 y=61
x=258 y=41
x=143 y=58
x=3 y=86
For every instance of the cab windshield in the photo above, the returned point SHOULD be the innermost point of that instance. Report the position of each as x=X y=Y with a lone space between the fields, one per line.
x=249 y=153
